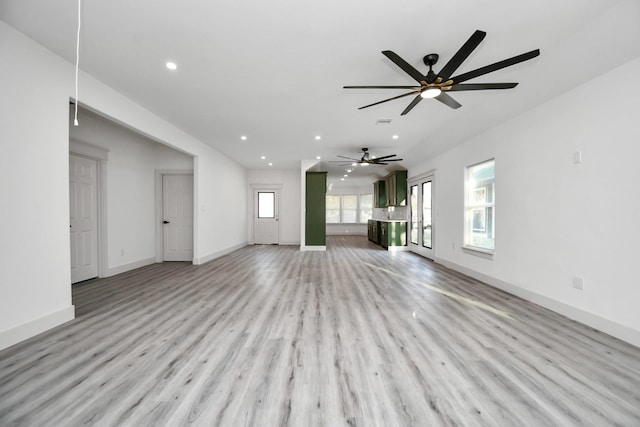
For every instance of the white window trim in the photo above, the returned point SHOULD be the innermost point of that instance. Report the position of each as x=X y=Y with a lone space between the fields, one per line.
x=357 y=222
x=466 y=247
x=342 y=208
x=478 y=251
x=360 y=221
x=339 y=210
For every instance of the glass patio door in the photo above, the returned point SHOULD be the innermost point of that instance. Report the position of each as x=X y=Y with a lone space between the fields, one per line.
x=421 y=219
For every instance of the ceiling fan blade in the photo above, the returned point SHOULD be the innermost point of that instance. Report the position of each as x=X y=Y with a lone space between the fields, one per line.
x=376 y=163
x=385 y=157
x=408 y=68
x=393 y=160
x=390 y=99
x=348 y=158
x=381 y=87
x=447 y=100
x=496 y=66
x=481 y=86
x=462 y=54
x=413 y=104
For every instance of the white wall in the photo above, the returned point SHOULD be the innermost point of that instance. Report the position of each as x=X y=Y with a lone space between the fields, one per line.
x=36 y=85
x=289 y=213
x=34 y=186
x=556 y=220
x=130 y=187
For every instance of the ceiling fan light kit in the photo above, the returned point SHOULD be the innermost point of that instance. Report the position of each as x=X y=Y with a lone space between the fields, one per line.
x=367 y=160
x=432 y=85
x=431 y=92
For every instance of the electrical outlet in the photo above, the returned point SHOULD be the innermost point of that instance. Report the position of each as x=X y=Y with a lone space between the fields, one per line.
x=578 y=283
x=577 y=157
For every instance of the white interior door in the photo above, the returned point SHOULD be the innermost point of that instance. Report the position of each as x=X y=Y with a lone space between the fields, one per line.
x=177 y=217
x=266 y=228
x=421 y=229
x=83 y=218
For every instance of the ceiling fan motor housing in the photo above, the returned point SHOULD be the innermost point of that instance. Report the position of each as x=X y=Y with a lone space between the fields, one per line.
x=431 y=59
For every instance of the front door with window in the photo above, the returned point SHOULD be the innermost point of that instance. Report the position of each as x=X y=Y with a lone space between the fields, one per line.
x=421 y=222
x=266 y=229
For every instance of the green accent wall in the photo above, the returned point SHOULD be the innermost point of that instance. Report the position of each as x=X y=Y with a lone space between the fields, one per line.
x=315 y=209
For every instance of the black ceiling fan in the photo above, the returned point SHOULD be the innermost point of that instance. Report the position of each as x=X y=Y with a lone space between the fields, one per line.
x=432 y=85
x=366 y=159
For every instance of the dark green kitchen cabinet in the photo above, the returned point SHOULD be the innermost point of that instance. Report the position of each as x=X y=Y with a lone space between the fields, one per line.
x=396 y=188
x=393 y=234
x=379 y=194
x=373 y=231
x=315 y=212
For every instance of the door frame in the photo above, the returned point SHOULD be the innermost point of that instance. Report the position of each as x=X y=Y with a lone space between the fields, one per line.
x=100 y=156
x=263 y=187
x=159 y=212
x=418 y=248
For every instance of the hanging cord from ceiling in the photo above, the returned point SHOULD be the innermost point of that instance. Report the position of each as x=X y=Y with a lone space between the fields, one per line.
x=75 y=119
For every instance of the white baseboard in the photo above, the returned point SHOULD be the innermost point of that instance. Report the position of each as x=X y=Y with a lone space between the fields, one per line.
x=292 y=243
x=211 y=257
x=317 y=248
x=131 y=266
x=34 y=327
x=607 y=326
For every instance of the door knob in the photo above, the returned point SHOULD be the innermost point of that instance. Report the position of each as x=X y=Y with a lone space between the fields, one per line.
x=165 y=222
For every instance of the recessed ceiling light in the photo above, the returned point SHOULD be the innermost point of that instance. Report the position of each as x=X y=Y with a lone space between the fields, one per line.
x=263 y=157
x=346 y=176
x=244 y=138
x=318 y=138
x=341 y=179
x=270 y=164
x=318 y=157
x=171 y=65
x=354 y=164
x=349 y=170
x=395 y=137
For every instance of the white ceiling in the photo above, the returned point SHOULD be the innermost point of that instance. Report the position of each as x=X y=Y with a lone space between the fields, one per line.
x=274 y=70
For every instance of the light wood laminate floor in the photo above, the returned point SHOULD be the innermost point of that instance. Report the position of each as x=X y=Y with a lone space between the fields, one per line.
x=356 y=336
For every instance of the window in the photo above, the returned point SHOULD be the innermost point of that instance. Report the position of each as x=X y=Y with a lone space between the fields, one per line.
x=366 y=208
x=266 y=204
x=479 y=206
x=333 y=209
x=349 y=208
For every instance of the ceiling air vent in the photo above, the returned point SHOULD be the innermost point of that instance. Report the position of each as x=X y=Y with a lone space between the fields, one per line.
x=383 y=122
